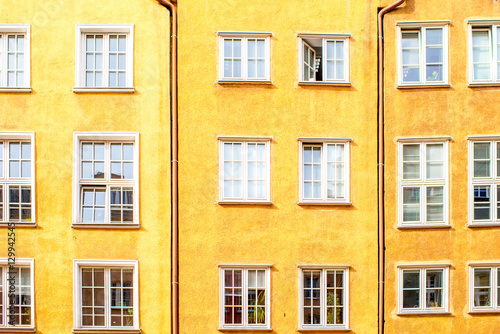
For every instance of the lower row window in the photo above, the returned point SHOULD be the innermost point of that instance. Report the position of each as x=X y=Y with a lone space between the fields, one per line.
x=106 y=294
x=485 y=288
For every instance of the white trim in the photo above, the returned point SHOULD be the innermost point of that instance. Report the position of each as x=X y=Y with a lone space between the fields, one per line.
x=15 y=90
x=81 y=30
x=78 y=264
x=323 y=266
x=245 y=265
x=423 y=183
x=78 y=137
x=421 y=27
x=103 y=90
x=20 y=29
x=323 y=142
x=244 y=34
x=244 y=317
x=423 y=139
x=323 y=297
x=244 y=199
x=491 y=26
x=19 y=262
x=493 y=286
x=423 y=309
x=244 y=57
x=5 y=181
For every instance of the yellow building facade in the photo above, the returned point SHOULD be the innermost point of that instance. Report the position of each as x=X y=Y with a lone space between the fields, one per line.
x=277 y=160
x=441 y=136
x=85 y=166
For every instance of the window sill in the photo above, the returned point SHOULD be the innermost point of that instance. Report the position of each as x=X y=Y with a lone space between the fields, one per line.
x=324 y=83
x=103 y=90
x=246 y=329
x=107 y=226
x=418 y=226
x=413 y=86
x=483 y=84
x=105 y=330
x=304 y=203
x=17 y=329
x=244 y=82
x=472 y=225
x=484 y=311
x=338 y=329
x=245 y=202
x=15 y=89
x=18 y=225
x=424 y=313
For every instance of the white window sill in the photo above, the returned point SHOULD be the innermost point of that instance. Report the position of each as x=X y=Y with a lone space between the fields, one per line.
x=246 y=202
x=103 y=90
x=318 y=329
x=485 y=224
x=426 y=312
x=483 y=84
x=106 y=330
x=324 y=83
x=15 y=89
x=17 y=329
x=303 y=203
x=426 y=85
x=108 y=226
x=242 y=329
x=18 y=225
x=423 y=225
x=244 y=82
x=490 y=310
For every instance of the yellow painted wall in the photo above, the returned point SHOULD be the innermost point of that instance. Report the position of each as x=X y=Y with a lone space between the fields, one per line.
x=283 y=234
x=54 y=112
x=457 y=111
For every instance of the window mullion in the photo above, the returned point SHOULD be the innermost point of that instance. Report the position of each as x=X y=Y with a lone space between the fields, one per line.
x=107 y=311
x=244 y=291
x=244 y=59
x=423 y=289
x=244 y=171
x=323 y=297
x=324 y=183
x=105 y=59
x=3 y=79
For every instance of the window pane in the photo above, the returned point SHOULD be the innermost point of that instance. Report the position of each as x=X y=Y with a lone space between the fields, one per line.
x=434 y=288
x=435 y=206
x=482 y=288
x=482 y=159
x=482 y=202
x=434 y=36
x=411 y=204
x=411 y=161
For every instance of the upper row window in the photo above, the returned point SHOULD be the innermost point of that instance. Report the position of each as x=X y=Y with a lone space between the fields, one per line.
x=485 y=55
x=423 y=55
x=104 y=56
x=14 y=56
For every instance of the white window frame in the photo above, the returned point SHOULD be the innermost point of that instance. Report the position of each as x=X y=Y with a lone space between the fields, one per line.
x=324 y=200
x=78 y=183
x=244 y=141
x=20 y=29
x=245 y=325
x=20 y=262
x=420 y=27
x=77 y=300
x=490 y=26
x=423 y=182
x=104 y=29
x=6 y=181
x=494 y=287
x=493 y=181
x=323 y=326
x=345 y=38
x=244 y=36
x=422 y=288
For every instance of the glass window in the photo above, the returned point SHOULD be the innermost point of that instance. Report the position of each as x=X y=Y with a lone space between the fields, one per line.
x=485 y=182
x=423 y=183
x=324 y=298
x=16 y=181
x=244 y=171
x=245 y=298
x=107 y=295
x=485 y=288
x=244 y=58
x=324 y=59
x=15 y=57
x=423 y=54
x=484 y=53
x=108 y=182
x=324 y=173
x=423 y=290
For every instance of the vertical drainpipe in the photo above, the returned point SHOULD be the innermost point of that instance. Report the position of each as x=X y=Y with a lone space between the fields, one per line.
x=380 y=165
x=174 y=171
